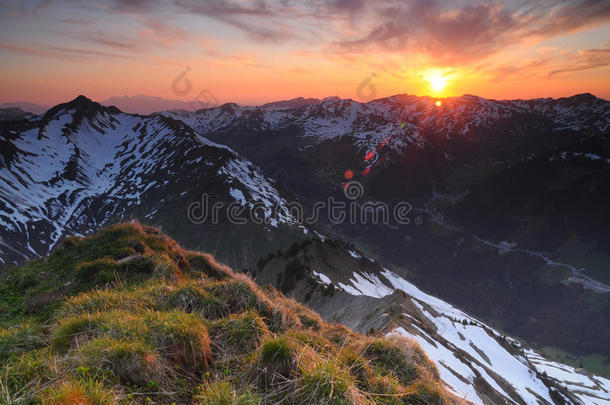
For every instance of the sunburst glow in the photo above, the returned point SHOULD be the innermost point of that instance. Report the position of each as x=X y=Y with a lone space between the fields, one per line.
x=240 y=54
x=437 y=82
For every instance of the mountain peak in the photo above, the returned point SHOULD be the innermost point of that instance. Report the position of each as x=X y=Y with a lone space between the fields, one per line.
x=470 y=96
x=331 y=99
x=82 y=99
x=292 y=103
x=229 y=108
x=83 y=102
x=83 y=105
x=583 y=98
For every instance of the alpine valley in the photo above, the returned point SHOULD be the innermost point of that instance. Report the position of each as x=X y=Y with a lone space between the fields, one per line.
x=507 y=218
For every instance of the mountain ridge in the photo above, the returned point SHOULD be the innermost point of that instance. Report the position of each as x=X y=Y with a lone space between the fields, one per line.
x=131 y=317
x=478 y=362
x=289 y=103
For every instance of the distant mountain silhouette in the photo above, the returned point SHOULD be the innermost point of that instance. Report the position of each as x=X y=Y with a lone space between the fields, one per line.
x=143 y=104
x=26 y=106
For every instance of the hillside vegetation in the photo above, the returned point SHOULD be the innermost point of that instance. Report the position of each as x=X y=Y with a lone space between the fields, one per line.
x=128 y=316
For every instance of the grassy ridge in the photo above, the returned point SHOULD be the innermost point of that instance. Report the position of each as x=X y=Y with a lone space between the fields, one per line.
x=127 y=316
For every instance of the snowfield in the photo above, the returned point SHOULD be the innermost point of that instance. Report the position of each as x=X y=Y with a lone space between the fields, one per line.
x=468 y=351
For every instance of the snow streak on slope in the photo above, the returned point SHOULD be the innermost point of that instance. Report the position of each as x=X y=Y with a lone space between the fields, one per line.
x=469 y=354
x=261 y=191
x=590 y=389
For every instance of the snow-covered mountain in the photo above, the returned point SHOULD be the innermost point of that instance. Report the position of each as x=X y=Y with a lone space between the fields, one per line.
x=82 y=165
x=477 y=362
x=400 y=120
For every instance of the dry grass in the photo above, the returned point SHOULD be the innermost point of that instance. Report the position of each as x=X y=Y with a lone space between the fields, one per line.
x=143 y=321
x=78 y=393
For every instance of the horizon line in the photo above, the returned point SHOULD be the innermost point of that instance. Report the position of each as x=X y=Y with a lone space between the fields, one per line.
x=103 y=102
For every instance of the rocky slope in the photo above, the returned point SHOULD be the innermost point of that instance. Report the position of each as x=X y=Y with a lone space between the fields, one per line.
x=476 y=361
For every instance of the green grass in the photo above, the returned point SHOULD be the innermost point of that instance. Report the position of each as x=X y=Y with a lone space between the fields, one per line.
x=325 y=382
x=594 y=363
x=192 y=297
x=278 y=350
x=388 y=358
x=19 y=338
x=223 y=393
x=585 y=255
x=597 y=363
x=240 y=333
x=127 y=316
x=122 y=361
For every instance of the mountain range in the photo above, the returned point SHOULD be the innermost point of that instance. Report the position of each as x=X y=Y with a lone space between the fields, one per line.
x=145 y=104
x=513 y=197
x=507 y=220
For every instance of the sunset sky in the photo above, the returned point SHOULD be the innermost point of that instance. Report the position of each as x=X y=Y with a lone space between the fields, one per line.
x=252 y=52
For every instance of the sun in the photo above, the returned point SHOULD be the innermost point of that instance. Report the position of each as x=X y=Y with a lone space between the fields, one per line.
x=437 y=82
